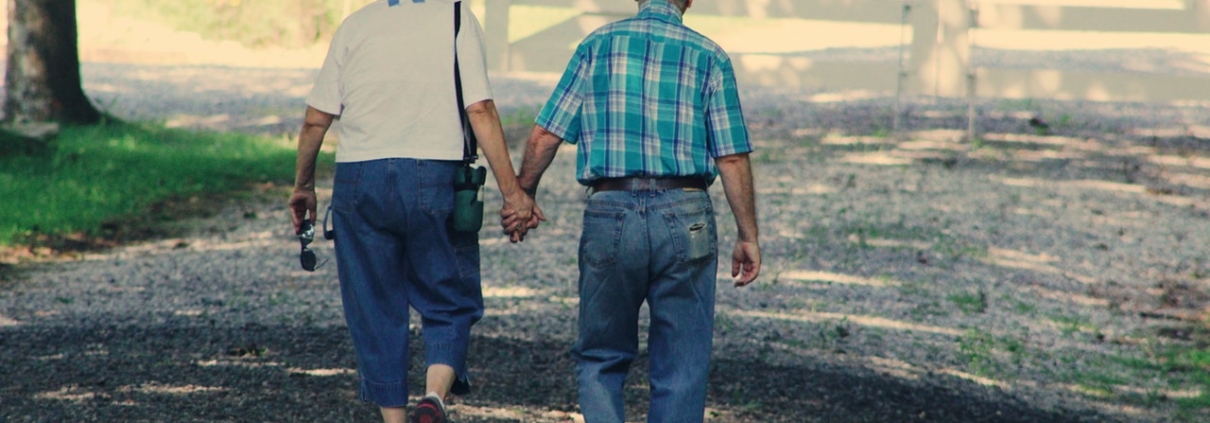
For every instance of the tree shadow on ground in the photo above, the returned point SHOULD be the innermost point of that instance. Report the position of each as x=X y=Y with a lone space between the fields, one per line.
x=178 y=370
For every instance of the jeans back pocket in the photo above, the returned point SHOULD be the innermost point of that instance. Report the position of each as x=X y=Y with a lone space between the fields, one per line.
x=601 y=237
x=694 y=234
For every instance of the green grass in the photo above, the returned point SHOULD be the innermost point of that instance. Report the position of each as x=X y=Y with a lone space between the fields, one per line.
x=1193 y=363
x=120 y=171
x=970 y=303
x=1022 y=307
x=1177 y=366
x=1070 y=325
x=522 y=116
x=992 y=356
x=977 y=349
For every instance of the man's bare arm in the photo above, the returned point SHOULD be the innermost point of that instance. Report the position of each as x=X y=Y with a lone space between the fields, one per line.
x=310 y=139
x=736 y=171
x=540 y=151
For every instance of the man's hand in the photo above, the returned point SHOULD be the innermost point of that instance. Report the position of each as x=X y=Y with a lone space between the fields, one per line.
x=517 y=210
x=517 y=223
x=540 y=150
x=302 y=202
x=746 y=260
x=736 y=172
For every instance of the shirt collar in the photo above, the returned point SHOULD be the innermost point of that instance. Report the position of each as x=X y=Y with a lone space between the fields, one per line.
x=661 y=9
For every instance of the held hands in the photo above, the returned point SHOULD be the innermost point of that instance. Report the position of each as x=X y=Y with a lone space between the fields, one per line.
x=519 y=215
x=301 y=203
x=745 y=262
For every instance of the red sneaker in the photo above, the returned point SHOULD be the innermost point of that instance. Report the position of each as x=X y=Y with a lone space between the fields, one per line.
x=429 y=410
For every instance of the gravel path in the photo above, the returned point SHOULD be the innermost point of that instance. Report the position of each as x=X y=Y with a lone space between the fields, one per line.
x=1035 y=276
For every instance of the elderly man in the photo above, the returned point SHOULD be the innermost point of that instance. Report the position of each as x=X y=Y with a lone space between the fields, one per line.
x=654 y=111
x=389 y=76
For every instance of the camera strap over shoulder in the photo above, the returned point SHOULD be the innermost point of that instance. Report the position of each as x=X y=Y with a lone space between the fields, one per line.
x=467 y=216
x=469 y=141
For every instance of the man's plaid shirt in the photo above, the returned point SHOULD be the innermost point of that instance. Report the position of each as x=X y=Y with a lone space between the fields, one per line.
x=648 y=97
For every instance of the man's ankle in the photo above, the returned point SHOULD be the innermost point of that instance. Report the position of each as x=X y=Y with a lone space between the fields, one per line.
x=435 y=395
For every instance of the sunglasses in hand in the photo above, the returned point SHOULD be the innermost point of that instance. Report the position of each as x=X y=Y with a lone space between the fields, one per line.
x=307 y=257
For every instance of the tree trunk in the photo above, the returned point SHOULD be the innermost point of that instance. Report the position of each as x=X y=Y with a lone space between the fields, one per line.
x=42 y=82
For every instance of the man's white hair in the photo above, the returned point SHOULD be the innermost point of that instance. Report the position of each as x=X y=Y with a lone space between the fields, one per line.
x=679 y=3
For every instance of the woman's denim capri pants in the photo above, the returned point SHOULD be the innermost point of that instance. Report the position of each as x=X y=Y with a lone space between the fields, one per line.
x=393 y=251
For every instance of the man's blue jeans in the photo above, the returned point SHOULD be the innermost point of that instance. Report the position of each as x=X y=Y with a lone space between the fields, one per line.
x=655 y=246
x=394 y=251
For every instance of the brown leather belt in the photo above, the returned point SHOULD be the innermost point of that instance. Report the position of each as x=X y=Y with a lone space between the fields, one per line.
x=647 y=184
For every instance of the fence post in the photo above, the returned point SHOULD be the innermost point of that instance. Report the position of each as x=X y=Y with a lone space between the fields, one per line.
x=899 y=78
x=496 y=34
x=971 y=83
x=1201 y=10
x=940 y=48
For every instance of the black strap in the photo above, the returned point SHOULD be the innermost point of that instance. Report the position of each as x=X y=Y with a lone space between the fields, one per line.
x=470 y=143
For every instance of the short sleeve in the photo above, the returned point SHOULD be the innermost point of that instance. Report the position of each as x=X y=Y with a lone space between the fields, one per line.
x=561 y=114
x=326 y=94
x=472 y=59
x=726 y=131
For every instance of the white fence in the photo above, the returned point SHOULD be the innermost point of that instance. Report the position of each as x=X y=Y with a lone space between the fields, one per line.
x=935 y=39
x=1172 y=17
x=549 y=50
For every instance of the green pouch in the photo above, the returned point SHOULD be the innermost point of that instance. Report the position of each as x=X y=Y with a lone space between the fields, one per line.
x=468 y=198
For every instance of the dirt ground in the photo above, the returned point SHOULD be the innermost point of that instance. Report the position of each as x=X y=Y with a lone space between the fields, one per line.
x=1032 y=276
x=1054 y=270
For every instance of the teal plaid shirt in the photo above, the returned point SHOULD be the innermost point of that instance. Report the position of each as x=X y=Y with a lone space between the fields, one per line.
x=648 y=97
